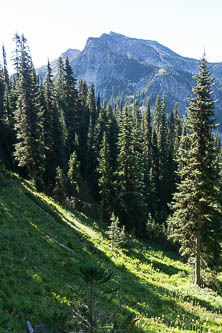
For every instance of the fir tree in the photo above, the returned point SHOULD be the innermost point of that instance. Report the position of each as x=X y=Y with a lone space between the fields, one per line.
x=175 y=131
x=106 y=179
x=60 y=99
x=130 y=175
x=83 y=130
x=160 y=128
x=71 y=106
x=196 y=220
x=28 y=146
x=147 y=136
x=91 y=103
x=116 y=233
x=74 y=177
x=60 y=187
x=52 y=132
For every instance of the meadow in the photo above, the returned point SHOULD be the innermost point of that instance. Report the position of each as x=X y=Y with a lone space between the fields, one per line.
x=42 y=249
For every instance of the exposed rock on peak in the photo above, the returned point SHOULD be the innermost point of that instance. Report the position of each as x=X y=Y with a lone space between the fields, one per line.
x=121 y=66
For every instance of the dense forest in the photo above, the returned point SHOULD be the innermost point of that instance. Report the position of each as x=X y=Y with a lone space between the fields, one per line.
x=155 y=172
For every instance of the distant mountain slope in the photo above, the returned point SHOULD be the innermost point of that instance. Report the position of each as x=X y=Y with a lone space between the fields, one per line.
x=121 y=66
x=70 y=53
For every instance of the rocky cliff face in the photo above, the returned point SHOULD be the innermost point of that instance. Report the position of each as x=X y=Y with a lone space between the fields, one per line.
x=132 y=68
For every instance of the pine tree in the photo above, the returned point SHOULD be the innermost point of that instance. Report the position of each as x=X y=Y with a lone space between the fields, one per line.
x=60 y=188
x=116 y=233
x=147 y=135
x=175 y=131
x=106 y=179
x=60 y=99
x=91 y=103
x=196 y=219
x=112 y=136
x=71 y=106
x=139 y=167
x=5 y=67
x=52 y=132
x=84 y=119
x=74 y=176
x=160 y=127
x=130 y=175
x=28 y=146
x=2 y=130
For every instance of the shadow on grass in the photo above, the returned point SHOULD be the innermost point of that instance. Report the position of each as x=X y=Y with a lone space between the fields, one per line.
x=159 y=292
x=157 y=265
x=49 y=274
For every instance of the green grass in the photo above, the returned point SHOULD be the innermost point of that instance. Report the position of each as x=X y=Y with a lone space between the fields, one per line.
x=42 y=246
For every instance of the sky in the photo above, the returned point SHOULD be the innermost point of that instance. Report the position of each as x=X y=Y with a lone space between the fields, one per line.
x=188 y=27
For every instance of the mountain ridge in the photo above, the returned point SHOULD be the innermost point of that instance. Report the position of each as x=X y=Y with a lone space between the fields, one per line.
x=127 y=68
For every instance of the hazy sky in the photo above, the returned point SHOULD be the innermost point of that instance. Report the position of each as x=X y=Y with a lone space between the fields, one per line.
x=52 y=26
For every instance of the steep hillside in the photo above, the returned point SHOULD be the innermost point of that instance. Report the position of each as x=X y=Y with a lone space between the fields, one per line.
x=43 y=246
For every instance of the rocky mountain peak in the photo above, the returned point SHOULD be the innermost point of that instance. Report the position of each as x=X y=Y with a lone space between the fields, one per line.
x=132 y=68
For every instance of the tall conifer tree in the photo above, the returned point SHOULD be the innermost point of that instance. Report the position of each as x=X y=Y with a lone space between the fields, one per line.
x=106 y=178
x=28 y=146
x=196 y=220
x=52 y=131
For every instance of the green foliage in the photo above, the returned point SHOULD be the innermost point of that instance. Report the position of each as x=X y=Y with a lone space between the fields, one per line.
x=29 y=147
x=43 y=246
x=123 y=163
x=52 y=132
x=156 y=232
x=92 y=274
x=117 y=234
x=196 y=219
x=106 y=179
x=60 y=188
x=74 y=177
x=130 y=188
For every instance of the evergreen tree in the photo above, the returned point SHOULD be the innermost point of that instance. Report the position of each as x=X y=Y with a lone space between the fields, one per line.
x=139 y=166
x=8 y=100
x=112 y=136
x=91 y=103
x=161 y=146
x=5 y=67
x=83 y=130
x=106 y=179
x=74 y=177
x=157 y=113
x=60 y=99
x=91 y=174
x=52 y=132
x=71 y=106
x=175 y=131
x=116 y=233
x=196 y=220
x=147 y=135
x=28 y=146
x=147 y=129
x=130 y=176
x=60 y=187
x=2 y=131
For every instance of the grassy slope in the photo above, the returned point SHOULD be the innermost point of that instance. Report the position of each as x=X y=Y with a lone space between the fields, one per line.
x=39 y=278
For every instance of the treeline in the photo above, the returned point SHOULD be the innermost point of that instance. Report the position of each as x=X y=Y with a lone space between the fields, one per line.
x=82 y=151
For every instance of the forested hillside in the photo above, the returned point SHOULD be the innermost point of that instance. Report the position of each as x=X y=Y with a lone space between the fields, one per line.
x=152 y=174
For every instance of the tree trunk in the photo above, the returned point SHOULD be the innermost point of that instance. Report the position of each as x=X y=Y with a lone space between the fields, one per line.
x=91 y=307
x=197 y=260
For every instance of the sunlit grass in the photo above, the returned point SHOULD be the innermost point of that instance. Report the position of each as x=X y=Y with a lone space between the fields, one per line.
x=42 y=246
